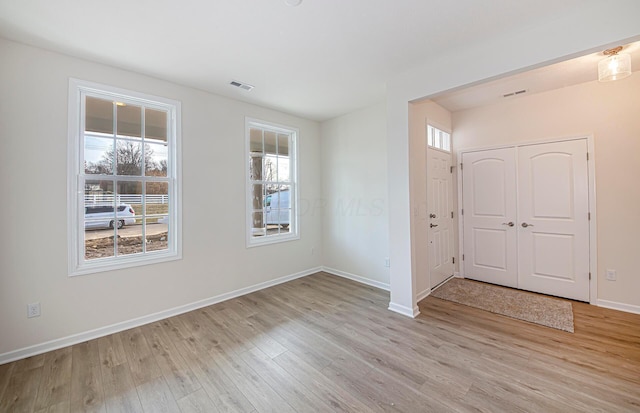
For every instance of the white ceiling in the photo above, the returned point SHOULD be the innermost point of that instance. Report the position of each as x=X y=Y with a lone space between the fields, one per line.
x=319 y=60
x=568 y=73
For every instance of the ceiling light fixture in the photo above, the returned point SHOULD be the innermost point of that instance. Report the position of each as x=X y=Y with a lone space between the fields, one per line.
x=292 y=3
x=615 y=66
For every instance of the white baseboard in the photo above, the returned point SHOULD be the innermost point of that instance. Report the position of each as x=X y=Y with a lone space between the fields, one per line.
x=629 y=308
x=457 y=275
x=421 y=296
x=357 y=278
x=396 y=308
x=136 y=322
x=406 y=311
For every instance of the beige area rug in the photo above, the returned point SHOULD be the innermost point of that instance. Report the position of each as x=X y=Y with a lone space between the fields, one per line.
x=531 y=307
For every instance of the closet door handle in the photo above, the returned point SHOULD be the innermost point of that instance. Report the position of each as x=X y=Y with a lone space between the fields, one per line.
x=510 y=223
x=433 y=225
x=524 y=225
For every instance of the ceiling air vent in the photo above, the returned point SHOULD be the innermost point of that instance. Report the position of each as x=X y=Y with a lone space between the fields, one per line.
x=519 y=92
x=244 y=86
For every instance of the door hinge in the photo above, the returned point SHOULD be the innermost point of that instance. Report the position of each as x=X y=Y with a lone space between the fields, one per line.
x=587 y=156
x=589 y=216
x=451 y=214
x=462 y=211
x=453 y=260
x=589 y=275
x=462 y=257
x=451 y=169
x=460 y=165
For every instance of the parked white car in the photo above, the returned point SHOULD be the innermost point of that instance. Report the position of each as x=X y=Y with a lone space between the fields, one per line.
x=103 y=217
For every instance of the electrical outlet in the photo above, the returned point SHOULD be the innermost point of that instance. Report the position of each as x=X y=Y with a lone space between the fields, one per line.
x=33 y=310
x=611 y=275
x=387 y=262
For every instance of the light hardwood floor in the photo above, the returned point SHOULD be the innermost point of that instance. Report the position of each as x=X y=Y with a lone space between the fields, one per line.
x=322 y=343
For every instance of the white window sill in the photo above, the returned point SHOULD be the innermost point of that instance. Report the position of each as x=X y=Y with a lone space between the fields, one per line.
x=124 y=262
x=273 y=239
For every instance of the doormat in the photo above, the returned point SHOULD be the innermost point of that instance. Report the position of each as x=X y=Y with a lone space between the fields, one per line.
x=534 y=308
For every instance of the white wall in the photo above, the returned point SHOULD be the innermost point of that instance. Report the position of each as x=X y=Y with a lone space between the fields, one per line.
x=420 y=113
x=33 y=241
x=609 y=112
x=354 y=188
x=589 y=28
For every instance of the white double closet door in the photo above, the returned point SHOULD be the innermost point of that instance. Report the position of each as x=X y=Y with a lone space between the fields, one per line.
x=525 y=217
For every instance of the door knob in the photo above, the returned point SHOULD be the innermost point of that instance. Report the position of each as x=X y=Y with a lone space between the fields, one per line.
x=524 y=225
x=433 y=225
x=432 y=215
x=510 y=223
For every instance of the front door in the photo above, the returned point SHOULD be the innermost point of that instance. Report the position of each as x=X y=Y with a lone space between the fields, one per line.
x=440 y=210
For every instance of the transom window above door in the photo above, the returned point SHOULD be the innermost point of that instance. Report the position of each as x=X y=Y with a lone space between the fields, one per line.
x=438 y=139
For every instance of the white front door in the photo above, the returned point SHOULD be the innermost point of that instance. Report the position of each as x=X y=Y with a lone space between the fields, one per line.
x=489 y=208
x=553 y=224
x=439 y=210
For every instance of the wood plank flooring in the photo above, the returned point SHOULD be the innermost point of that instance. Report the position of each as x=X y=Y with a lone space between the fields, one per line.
x=322 y=343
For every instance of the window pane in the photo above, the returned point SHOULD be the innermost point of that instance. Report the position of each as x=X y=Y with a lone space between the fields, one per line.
x=285 y=220
x=129 y=240
x=278 y=220
x=98 y=193
x=155 y=124
x=99 y=218
x=258 y=227
x=98 y=155
x=130 y=193
x=98 y=243
x=278 y=211
x=129 y=205
x=98 y=115
x=447 y=142
x=129 y=157
x=157 y=198
x=283 y=144
x=255 y=140
x=255 y=168
x=258 y=200
x=284 y=174
x=129 y=120
x=430 y=135
x=157 y=234
x=156 y=159
x=270 y=168
x=270 y=142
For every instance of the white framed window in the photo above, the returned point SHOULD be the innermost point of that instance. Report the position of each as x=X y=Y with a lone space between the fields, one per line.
x=439 y=139
x=124 y=195
x=272 y=192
